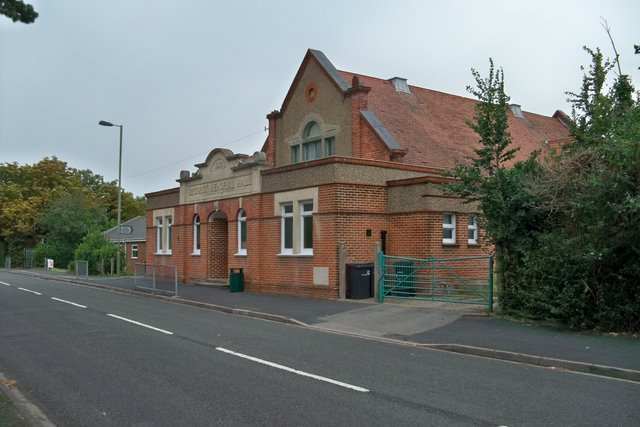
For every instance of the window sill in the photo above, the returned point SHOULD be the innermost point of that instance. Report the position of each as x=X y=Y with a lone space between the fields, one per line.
x=242 y=255
x=162 y=253
x=295 y=255
x=195 y=254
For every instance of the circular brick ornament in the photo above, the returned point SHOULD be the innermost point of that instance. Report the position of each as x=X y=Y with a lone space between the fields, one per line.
x=312 y=92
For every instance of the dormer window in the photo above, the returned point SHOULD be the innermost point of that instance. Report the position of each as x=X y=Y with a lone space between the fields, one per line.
x=516 y=110
x=400 y=84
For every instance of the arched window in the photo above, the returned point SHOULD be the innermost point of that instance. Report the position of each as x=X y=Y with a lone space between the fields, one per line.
x=312 y=131
x=196 y=234
x=313 y=145
x=242 y=232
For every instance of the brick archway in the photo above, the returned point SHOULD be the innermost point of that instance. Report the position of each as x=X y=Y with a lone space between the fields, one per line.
x=218 y=245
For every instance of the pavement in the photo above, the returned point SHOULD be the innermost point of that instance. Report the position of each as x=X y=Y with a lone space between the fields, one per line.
x=456 y=328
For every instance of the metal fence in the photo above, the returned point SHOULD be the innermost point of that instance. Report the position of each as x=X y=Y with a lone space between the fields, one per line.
x=162 y=279
x=28 y=257
x=82 y=268
x=7 y=262
x=459 y=280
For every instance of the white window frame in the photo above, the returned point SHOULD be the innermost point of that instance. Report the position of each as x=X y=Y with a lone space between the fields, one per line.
x=473 y=229
x=196 y=234
x=449 y=225
x=306 y=215
x=242 y=222
x=134 y=250
x=159 y=235
x=169 y=222
x=286 y=216
x=164 y=234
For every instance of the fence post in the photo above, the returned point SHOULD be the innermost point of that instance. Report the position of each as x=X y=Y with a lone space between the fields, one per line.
x=154 y=278
x=175 y=274
x=490 y=284
x=377 y=248
x=382 y=273
x=342 y=271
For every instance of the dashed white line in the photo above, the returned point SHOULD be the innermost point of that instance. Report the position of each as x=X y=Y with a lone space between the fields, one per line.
x=140 y=324
x=69 y=302
x=29 y=290
x=6 y=284
x=294 y=371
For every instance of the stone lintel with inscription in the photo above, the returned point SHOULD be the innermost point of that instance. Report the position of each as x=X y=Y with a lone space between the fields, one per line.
x=223 y=175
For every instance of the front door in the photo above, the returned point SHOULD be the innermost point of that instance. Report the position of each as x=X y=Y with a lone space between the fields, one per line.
x=218 y=246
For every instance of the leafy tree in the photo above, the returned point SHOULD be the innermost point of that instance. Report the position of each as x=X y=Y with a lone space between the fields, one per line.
x=565 y=231
x=28 y=191
x=25 y=191
x=65 y=222
x=486 y=179
x=107 y=194
x=18 y=10
x=575 y=257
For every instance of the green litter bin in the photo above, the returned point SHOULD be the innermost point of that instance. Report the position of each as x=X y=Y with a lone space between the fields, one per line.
x=236 y=280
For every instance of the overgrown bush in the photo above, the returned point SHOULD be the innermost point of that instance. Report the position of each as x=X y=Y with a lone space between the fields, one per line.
x=95 y=249
x=565 y=229
x=583 y=265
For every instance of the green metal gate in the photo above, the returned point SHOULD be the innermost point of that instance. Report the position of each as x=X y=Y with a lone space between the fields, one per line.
x=459 y=280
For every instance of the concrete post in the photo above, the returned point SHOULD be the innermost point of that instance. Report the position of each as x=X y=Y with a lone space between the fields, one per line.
x=377 y=247
x=342 y=271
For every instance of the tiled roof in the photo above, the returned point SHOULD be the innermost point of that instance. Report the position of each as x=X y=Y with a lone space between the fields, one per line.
x=138 y=231
x=431 y=125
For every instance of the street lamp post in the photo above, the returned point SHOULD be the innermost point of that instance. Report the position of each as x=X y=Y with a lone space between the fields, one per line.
x=105 y=123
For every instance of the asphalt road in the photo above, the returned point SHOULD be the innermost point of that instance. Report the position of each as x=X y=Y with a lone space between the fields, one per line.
x=77 y=354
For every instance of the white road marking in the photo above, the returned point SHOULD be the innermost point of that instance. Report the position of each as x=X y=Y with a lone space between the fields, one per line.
x=292 y=370
x=6 y=284
x=29 y=290
x=69 y=302
x=140 y=324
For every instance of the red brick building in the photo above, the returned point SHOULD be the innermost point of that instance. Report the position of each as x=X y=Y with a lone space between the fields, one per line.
x=350 y=161
x=133 y=240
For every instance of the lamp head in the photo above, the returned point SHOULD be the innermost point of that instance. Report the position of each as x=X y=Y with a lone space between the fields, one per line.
x=104 y=123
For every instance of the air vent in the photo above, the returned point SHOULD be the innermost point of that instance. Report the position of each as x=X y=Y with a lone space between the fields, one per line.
x=516 y=110
x=400 y=84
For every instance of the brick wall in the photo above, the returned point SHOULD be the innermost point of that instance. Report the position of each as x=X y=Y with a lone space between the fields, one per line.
x=142 y=255
x=370 y=145
x=354 y=214
x=419 y=235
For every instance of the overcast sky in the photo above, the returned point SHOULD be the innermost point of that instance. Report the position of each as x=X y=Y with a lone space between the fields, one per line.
x=185 y=77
